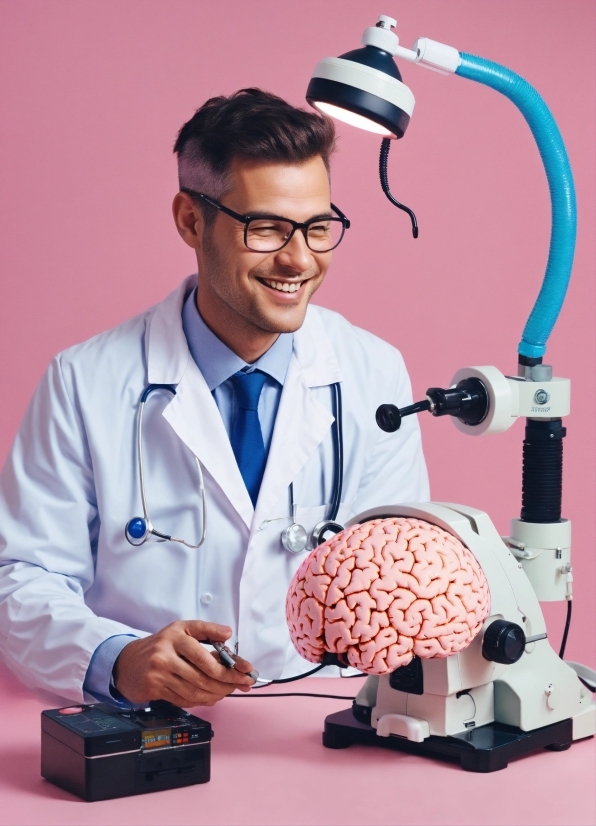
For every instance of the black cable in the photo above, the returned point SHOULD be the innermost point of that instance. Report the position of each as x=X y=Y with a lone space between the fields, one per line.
x=588 y=685
x=291 y=679
x=566 y=631
x=297 y=694
x=385 y=146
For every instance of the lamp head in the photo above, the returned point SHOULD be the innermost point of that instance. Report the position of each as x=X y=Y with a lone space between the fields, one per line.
x=364 y=87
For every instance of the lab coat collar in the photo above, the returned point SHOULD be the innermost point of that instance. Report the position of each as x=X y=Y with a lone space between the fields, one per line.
x=314 y=353
x=166 y=348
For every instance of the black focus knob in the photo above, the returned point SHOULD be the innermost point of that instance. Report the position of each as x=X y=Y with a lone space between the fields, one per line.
x=388 y=418
x=504 y=642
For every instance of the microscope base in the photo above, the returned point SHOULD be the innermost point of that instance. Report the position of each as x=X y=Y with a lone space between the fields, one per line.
x=484 y=749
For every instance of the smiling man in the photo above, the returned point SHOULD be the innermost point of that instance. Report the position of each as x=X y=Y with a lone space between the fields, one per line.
x=241 y=385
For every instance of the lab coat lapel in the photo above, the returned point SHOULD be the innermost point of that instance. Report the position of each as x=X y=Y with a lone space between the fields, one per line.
x=302 y=421
x=192 y=413
x=194 y=416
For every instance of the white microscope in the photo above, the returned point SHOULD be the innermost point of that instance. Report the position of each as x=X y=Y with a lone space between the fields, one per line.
x=509 y=692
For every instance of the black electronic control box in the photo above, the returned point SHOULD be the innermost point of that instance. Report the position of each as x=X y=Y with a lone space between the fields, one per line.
x=99 y=752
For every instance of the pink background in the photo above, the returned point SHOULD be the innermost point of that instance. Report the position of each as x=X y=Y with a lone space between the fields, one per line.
x=92 y=95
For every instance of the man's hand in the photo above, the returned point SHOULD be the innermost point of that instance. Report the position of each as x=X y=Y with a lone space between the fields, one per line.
x=172 y=665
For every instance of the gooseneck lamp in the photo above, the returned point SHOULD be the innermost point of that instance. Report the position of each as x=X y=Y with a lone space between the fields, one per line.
x=364 y=88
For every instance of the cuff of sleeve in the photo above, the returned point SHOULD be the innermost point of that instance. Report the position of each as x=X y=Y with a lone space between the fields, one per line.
x=98 y=679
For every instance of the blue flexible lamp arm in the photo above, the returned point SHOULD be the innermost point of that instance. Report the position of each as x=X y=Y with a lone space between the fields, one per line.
x=562 y=192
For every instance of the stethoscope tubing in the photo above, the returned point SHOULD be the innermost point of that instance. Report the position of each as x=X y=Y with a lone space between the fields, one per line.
x=295 y=538
x=150 y=529
x=338 y=439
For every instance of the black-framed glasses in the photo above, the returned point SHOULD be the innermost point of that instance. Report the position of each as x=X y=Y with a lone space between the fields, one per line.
x=270 y=233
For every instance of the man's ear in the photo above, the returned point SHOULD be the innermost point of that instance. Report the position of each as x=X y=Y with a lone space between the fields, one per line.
x=188 y=219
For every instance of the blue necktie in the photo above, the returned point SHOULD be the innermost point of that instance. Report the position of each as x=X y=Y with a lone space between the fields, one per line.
x=247 y=438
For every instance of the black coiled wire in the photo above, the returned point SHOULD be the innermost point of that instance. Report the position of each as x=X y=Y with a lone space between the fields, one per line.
x=385 y=146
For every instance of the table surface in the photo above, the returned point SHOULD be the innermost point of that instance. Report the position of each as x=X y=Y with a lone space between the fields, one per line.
x=268 y=767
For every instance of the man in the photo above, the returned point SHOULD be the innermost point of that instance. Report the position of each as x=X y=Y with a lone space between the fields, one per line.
x=250 y=370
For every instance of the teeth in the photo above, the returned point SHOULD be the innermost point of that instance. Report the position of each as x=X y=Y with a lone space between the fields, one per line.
x=284 y=287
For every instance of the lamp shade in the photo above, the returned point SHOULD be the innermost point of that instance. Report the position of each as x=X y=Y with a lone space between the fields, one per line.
x=363 y=88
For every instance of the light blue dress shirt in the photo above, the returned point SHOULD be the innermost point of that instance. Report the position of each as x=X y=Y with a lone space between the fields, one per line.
x=218 y=364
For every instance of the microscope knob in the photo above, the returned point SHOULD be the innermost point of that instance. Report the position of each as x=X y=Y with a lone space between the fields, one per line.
x=504 y=642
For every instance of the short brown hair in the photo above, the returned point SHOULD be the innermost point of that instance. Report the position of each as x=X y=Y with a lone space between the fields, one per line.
x=250 y=124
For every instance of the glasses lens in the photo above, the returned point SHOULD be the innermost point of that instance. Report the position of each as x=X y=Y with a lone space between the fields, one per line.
x=266 y=235
x=325 y=234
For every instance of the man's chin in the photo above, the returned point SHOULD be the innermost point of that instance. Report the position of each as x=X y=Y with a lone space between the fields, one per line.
x=284 y=321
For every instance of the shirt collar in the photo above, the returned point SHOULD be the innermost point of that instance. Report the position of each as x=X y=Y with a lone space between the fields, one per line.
x=217 y=362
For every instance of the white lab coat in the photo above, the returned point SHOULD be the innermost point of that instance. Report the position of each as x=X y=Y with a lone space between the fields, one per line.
x=69 y=579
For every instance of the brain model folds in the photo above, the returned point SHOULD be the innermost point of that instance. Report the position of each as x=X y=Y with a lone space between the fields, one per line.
x=381 y=592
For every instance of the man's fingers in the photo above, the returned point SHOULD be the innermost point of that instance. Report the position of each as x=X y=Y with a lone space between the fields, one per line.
x=205 y=631
x=243 y=665
x=199 y=657
x=197 y=696
x=198 y=680
x=172 y=696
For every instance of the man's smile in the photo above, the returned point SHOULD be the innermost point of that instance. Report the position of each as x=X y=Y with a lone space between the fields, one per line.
x=283 y=286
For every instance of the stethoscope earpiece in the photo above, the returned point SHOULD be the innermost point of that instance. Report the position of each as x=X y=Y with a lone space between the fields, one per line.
x=294 y=539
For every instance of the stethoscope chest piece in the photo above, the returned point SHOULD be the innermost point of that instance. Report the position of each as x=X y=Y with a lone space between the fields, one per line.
x=294 y=538
x=137 y=530
x=324 y=531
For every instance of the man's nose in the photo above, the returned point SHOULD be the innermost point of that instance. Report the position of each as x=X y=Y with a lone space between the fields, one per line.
x=296 y=253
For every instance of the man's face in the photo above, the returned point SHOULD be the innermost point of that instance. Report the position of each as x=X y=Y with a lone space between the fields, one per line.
x=240 y=285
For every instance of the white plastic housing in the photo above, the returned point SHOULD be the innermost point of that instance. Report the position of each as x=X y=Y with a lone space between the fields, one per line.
x=436 y=56
x=544 y=551
x=538 y=690
x=511 y=397
x=543 y=399
x=367 y=80
x=502 y=410
x=382 y=38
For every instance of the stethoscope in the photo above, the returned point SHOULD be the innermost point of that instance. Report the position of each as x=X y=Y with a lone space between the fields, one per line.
x=294 y=538
x=140 y=528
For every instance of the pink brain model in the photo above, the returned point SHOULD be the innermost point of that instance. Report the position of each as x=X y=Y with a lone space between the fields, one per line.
x=381 y=592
